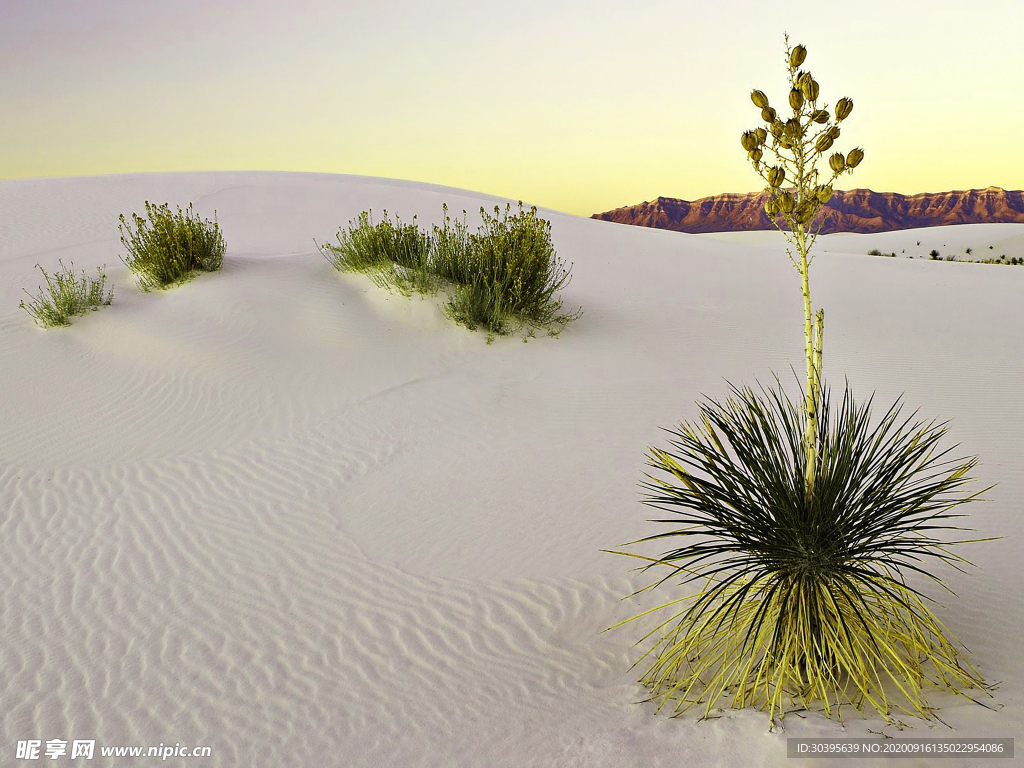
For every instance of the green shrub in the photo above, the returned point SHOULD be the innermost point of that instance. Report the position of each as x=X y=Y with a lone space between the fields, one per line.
x=804 y=599
x=392 y=254
x=480 y=305
x=66 y=295
x=165 y=248
x=453 y=248
x=504 y=275
x=513 y=273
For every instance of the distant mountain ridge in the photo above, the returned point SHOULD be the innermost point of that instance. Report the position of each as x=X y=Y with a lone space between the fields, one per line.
x=856 y=210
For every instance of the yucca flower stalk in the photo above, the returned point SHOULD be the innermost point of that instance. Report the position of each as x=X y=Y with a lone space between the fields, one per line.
x=798 y=144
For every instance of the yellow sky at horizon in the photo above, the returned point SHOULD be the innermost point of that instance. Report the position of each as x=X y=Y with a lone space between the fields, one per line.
x=580 y=107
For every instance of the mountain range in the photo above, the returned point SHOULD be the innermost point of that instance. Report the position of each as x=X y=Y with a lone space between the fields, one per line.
x=856 y=210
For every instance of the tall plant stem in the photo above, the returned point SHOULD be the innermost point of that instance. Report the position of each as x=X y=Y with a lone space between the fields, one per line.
x=813 y=341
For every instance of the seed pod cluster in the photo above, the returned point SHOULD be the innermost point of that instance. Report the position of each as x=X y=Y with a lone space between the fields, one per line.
x=801 y=205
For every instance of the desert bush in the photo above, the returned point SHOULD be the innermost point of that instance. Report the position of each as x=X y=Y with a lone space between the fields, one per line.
x=514 y=273
x=934 y=254
x=969 y=251
x=394 y=255
x=874 y=252
x=804 y=599
x=165 y=248
x=801 y=533
x=66 y=296
x=501 y=277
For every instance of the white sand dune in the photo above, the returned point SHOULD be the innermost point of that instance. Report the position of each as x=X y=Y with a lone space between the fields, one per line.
x=283 y=514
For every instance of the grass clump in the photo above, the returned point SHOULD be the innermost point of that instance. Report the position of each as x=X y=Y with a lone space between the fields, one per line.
x=804 y=599
x=66 y=295
x=392 y=254
x=165 y=248
x=503 y=277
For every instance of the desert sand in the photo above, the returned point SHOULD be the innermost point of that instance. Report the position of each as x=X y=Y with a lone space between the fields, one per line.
x=281 y=513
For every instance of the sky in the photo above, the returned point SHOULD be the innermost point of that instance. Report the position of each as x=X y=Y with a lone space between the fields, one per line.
x=579 y=106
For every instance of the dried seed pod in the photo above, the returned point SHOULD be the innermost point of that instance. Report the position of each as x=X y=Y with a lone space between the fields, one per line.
x=777 y=128
x=834 y=132
x=824 y=193
x=776 y=176
x=761 y=135
x=785 y=202
x=854 y=157
x=820 y=116
x=772 y=208
x=824 y=143
x=768 y=115
x=749 y=140
x=837 y=163
x=844 y=108
x=797 y=56
x=755 y=155
x=792 y=129
x=759 y=99
x=805 y=212
x=810 y=90
x=796 y=99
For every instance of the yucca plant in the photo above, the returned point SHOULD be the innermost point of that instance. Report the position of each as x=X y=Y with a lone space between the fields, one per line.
x=805 y=532
x=803 y=600
x=167 y=248
x=67 y=295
